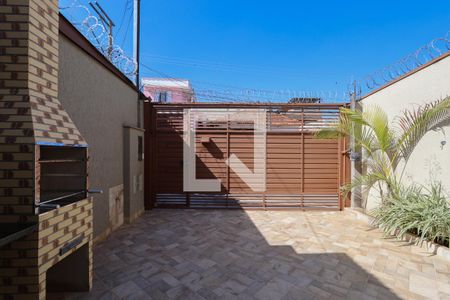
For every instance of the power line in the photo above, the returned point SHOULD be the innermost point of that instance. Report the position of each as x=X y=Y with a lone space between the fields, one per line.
x=125 y=10
x=250 y=94
x=165 y=76
x=130 y=17
x=292 y=74
x=211 y=63
x=94 y=30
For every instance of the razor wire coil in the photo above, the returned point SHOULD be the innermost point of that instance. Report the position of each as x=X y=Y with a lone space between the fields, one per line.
x=409 y=63
x=93 y=29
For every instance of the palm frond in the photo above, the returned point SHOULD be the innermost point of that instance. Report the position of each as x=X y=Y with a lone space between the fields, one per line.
x=341 y=128
x=382 y=146
x=377 y=120
x=414 y=124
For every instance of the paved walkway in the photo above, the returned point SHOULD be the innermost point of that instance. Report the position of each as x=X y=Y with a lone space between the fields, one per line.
x=219 y=254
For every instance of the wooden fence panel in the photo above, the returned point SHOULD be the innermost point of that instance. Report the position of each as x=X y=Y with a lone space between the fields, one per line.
x=302 y=172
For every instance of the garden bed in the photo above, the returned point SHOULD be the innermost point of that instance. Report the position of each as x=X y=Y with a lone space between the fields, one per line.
x=430 y=247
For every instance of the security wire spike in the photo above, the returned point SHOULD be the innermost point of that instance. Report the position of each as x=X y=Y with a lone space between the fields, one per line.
x=95 y=30
x=107 y=22
x=409 y=63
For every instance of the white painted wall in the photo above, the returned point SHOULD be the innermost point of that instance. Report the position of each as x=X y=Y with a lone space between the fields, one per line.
x=429 y=161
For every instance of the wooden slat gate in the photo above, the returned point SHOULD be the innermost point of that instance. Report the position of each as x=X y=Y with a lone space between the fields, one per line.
x=302 y=172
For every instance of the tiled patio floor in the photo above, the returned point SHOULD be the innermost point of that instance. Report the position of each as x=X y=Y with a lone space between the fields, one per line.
x=211 y=254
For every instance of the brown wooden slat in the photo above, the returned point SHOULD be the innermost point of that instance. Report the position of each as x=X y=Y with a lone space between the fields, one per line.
x=297 y=162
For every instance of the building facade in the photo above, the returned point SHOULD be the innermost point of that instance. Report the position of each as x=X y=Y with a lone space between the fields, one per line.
x=168 y=90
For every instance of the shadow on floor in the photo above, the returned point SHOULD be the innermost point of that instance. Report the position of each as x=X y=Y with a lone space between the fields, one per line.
x=216 y=254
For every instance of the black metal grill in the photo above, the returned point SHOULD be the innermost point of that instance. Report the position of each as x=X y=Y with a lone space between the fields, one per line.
x=62 y=176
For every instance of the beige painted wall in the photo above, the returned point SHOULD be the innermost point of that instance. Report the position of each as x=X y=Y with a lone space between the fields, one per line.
x=101 y=104
x=133 y=170
x=429 y=161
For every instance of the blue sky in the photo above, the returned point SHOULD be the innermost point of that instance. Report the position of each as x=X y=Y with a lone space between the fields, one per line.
x=317 y=46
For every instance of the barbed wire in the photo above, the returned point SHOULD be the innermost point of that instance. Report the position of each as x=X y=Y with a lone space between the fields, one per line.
x=92 y=28
x=246 y=95
x=278 y=96
x=409 y=63
x=251 y=96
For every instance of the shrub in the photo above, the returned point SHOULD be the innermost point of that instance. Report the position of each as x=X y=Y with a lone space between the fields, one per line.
x=425 y=214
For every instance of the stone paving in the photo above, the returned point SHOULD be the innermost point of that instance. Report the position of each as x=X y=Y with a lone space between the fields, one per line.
x=223 y=254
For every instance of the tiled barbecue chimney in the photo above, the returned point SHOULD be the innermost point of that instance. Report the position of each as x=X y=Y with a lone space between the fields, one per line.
x=39 y=146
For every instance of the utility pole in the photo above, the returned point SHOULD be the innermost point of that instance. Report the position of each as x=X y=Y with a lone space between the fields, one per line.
x=107 y=22
x=355 y=154
x=136 y=53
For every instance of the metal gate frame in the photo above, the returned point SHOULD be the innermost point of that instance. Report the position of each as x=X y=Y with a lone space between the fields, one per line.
x=162 y=120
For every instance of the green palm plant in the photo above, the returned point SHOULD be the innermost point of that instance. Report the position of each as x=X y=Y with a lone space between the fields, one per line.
x=385 y=146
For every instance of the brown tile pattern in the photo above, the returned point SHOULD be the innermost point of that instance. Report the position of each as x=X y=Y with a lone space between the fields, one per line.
x=30 y=114
x=51 y=122
x=29 y=82
x=24 y=263
x=218 y=254
x=30 y=111
x=16 y=128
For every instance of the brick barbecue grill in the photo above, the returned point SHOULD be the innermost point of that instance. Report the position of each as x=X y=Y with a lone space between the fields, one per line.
x=45 y=211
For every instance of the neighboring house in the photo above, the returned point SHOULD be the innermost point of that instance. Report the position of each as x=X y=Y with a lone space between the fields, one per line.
x=168 y=90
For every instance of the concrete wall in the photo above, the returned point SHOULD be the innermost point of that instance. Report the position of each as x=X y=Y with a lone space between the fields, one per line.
x=133 y=170
x=101 y=105
x=429 y=161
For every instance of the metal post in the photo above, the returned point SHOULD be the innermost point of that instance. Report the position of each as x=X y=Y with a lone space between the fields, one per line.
x=136 y=52
x=110 y=45
x=107 y=22
x=354 y=156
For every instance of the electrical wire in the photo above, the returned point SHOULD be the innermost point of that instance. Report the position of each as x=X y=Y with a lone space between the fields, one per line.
x=198 y=62
x=241 y=94
x=130 y=17
x=125 y=10
x=164 y=75
x=244 y=69
x=93 y=30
